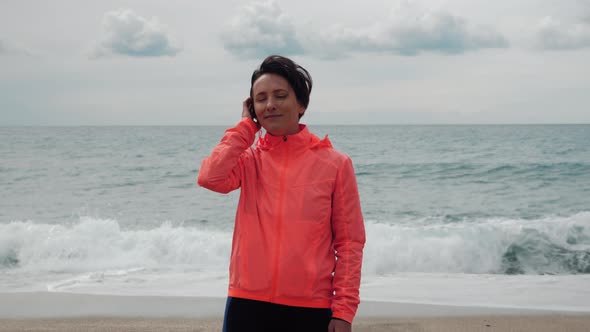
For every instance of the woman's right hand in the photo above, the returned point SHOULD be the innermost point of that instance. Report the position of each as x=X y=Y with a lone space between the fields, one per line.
x=246 y=110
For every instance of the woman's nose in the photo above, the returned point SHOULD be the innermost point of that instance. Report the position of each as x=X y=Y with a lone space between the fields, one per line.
x=271 y=104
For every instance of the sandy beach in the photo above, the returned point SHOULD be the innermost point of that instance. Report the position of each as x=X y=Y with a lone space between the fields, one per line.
x=423 y=324
x=80 y=312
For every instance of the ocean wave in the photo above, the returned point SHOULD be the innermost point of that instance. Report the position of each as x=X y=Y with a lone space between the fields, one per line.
x=478 y=171
x=550 y=245
x=94 y=244
x=534 y=251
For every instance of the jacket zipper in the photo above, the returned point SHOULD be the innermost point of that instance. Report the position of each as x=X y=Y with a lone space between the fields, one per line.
x=280 y=216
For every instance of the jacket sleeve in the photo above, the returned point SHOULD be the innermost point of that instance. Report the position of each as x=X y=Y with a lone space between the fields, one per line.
x=348 y=233
x=221 y=171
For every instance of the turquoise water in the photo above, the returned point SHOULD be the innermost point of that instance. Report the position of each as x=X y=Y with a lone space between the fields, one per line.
x=460 y=199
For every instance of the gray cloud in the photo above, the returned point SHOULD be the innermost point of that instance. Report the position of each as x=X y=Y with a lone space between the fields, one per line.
x=126 y=33
x=409 y=31
x=260 y=29
x=552 y=34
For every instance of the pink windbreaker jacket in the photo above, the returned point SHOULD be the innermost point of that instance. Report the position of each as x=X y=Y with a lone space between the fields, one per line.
x=299 y=232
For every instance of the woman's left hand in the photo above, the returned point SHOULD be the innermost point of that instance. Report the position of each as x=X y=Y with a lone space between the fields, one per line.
x=337 y=325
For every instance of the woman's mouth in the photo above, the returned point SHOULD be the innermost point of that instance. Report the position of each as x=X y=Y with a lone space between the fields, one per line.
x=272 y=116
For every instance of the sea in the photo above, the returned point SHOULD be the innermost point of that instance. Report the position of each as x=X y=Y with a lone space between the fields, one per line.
x=479 y=215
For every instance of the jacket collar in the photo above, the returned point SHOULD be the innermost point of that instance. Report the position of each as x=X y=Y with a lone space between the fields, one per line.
x=301 y=140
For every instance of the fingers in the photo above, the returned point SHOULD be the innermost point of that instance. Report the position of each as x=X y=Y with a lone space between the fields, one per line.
x=246 y=108
x=331 y=327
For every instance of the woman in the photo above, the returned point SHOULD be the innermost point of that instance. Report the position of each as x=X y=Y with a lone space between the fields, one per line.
x=299 y=235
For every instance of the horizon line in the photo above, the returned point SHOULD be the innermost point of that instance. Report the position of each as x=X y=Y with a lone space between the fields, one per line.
x=312 y=124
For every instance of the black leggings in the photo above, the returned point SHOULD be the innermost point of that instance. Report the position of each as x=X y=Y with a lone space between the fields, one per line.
x=242 y=315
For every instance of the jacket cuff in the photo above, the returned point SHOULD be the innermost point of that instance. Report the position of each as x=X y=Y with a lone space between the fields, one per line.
x=250 y=124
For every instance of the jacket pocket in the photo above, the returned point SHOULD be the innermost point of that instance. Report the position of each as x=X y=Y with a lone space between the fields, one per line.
x=250 y=265
x=301 y=259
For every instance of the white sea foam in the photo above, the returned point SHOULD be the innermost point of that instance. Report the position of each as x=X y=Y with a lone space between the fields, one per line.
x=411 y=262
x=545 y=245
x=100 y=244
x=552 y=245
x=561 y=293
x=544 y=292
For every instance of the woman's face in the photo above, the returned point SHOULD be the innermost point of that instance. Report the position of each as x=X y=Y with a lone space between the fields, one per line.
x=276 y=105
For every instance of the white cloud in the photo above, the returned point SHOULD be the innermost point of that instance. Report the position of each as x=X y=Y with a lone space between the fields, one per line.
x=126 y=33
x=260 y=29
x=411 y=30
x=552 y=34
x=8 y=50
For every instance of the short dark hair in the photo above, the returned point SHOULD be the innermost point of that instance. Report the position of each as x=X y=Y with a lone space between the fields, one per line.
x=297 y=76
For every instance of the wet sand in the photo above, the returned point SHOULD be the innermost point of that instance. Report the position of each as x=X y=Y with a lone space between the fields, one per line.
x=82 y=312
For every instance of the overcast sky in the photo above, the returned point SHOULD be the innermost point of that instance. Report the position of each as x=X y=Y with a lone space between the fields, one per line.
x=188 y=62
